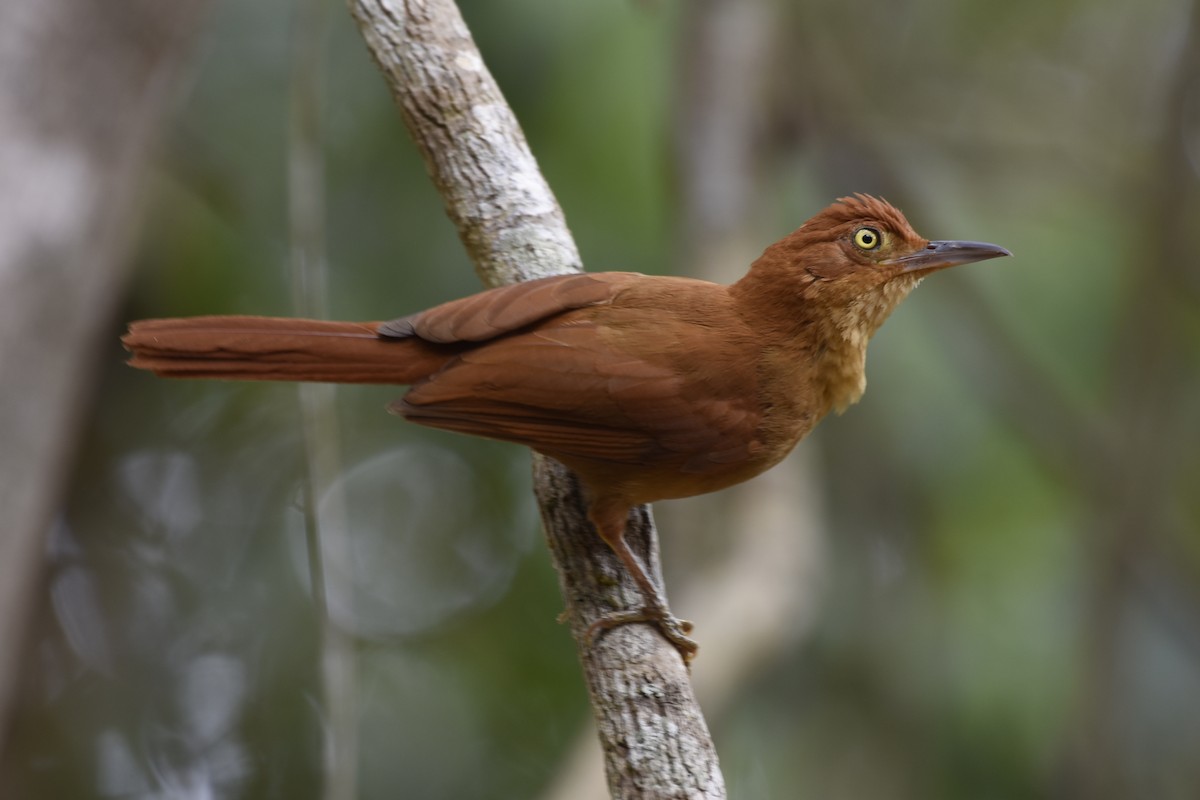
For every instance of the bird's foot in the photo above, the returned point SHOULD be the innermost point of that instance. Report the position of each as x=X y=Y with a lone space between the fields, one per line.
x=675 y=630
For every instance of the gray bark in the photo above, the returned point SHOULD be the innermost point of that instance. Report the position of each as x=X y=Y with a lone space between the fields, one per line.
x=655 y=741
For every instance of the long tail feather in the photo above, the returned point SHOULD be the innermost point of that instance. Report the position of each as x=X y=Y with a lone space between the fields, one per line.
x=279 y=349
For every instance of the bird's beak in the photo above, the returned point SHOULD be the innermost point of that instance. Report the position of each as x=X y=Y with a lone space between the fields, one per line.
x=939 y=255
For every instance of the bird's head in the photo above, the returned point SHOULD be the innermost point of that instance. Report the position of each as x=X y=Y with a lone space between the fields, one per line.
x=859 y=258
x=838 y=276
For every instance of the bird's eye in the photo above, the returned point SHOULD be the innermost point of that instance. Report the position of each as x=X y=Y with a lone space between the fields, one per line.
x=867 y=239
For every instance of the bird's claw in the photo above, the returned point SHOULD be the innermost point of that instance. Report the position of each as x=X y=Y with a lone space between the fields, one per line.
x=674 y=629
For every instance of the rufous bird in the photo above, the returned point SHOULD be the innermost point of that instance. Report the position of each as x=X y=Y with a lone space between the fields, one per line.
x=647 y=387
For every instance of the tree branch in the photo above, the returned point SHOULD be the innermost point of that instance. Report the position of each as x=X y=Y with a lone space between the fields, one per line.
x=472 y=144
x=655 y=740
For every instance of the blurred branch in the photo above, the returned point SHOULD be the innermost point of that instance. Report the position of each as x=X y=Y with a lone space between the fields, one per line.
x=655 y=741
x=758 y=595
x=724 y=58
x=1131 y=495
x=83 y=89
x=325 y=515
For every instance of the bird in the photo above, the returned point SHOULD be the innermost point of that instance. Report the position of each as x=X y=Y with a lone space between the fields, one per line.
x=647 y=387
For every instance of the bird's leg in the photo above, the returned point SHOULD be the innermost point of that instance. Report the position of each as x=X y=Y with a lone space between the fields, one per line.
x=611 y=520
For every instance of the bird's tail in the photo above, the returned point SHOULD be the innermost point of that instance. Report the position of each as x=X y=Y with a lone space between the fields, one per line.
x=279 y=349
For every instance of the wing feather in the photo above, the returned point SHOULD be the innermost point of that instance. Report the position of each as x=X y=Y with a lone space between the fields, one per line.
x=570 y=388
x=506 y=309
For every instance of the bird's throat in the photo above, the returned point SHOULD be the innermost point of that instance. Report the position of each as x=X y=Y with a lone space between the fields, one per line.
x=842 y=368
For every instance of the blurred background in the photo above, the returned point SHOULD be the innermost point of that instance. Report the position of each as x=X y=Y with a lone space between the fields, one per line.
x=982 y=581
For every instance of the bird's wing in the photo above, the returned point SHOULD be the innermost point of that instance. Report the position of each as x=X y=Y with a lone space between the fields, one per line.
x=572 y=388
x=506 y=309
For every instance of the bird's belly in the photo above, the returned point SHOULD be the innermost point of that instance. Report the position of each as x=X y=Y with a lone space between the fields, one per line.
x=688 y=480
x=661 y=475
x=690 y=484
x=655 y=480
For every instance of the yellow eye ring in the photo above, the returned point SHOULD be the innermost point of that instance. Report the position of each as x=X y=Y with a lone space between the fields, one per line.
x=867 y=239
